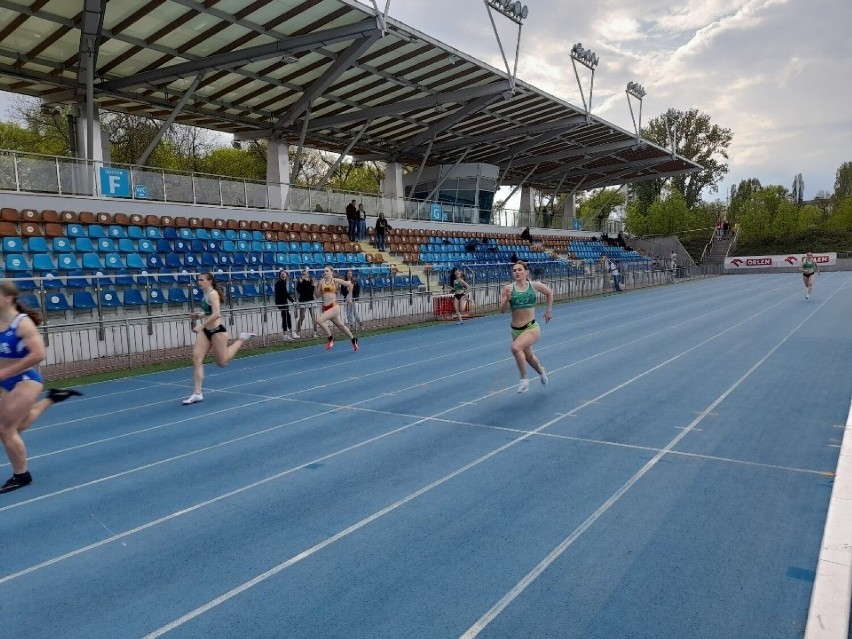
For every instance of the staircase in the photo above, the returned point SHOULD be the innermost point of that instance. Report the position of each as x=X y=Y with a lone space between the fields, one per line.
x=718 y=251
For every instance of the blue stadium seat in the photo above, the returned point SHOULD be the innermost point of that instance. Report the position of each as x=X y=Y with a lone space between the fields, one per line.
x=197 y=294
x=67 y=262
x=16 y=263
x=105 y=245
x=62 y=245
x=166 y=277
x=51 y=280
x=37 y=245
x=124 y=278
x=92 y=261
x=116 y=231
x=145 y=277
x=229 y=246
x=164 y=246
x=43 y=262
x=184 y=277
x=101 y=278
x=155 y=296
x=135 y=261
x=77 y=279
x=239 y=259
x=197 y=246
x=214 y=234
x=83 y=300
x=13 y=245
x=95 y=231
x=211 y=246
x=224 y=259
x=185 y=233
x=153 y=232
x=231 y=234
x=83 y=245
x=173 y=260
x=180 y=246
x=177 y=296
x=114 y=261
x=192 y=260
x=133 y=297
x=235 y=292
x=257 y=235
x=56 y=302
x=204 y=234
x=153 y=260
x=170 y=233
x=135 y=232
x=145 y=245
x=126 y=245
x=245 y=235
x=109 y=299
x=208 y=259
x=250 y=290
x=75 y=231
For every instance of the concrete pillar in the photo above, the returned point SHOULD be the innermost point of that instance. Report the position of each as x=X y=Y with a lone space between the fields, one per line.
x=85 y=175
x=278 y=173
x=569 y=209
x=526 y=215
x=393 y=203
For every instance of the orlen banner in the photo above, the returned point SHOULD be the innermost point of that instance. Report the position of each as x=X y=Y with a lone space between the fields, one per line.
x=777 y=261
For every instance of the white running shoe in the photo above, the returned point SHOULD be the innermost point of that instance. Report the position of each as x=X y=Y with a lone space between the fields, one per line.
x=807 y=297
x=287 y=337
x=193 y=399
x=524 y=386
x=294 y=335
x=246 y=336
x=543 y=378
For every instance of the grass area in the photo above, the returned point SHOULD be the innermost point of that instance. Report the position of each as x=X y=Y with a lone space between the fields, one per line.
x=818 y=240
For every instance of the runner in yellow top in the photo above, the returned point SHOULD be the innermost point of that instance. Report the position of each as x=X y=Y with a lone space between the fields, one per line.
x=809 y=269
x=521 y=297
x=328 y=288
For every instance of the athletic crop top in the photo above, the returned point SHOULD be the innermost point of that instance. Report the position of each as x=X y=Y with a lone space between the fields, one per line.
x=325 y=287
x=458 y=285
x=807 y=265
x=522 y=299
x=205 y=305
x=12 y=346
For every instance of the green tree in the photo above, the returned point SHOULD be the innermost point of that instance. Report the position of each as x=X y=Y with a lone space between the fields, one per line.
x=843 y=181
x=669 y=215
x=740 y=194
x=810 y=217
x=598 y=205
x=696 y=139
x=841 y=217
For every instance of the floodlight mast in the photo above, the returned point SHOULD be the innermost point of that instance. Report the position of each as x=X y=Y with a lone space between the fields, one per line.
x=672 y=118
x=589 y=60
x=517 y=13
x=637 y=91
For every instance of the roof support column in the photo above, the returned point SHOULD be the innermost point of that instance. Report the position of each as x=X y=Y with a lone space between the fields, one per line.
x=393 y=195
x=90 y=148
x=569 y=209
x=277 y=173
x=525 y=212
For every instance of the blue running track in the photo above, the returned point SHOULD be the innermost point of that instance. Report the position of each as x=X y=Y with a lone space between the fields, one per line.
x=671 y=481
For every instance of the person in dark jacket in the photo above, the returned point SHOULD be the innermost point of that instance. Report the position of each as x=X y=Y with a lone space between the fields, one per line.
x=282 y=301
x=352 y=218
x=305 y=294
x=382 y=228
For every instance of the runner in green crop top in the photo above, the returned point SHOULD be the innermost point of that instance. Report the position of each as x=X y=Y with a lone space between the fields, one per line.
x=520 y=296
x=460 y=288
x=808 y=269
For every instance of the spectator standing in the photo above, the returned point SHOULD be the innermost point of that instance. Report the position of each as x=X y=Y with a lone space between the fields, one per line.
x=612 y=267
x=672 y=266
x=382 y=228
x=526 y=235
x=352 y=219
x=305 y=295
x=352 y=316
x=282 y=301
x=362 y=223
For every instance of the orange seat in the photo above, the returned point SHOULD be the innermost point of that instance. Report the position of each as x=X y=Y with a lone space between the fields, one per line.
x=49 y=216
x=31 y=229
x=10 y=215
x=86 y=217
x=69 y=216
x=52 y=229
x=8 y=229
x=121 y=219
x=104 y=218
x=31 y=215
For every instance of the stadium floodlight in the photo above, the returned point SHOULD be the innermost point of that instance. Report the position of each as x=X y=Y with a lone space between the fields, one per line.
x=517 y=12
x=637 y=91
x=672 y=117
x=590 y=60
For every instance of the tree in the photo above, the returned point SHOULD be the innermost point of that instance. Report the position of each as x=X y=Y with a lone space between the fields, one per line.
x=740 y=194
x=843 y=181
x=696 y=139
x=598 y=205
x=670 y=215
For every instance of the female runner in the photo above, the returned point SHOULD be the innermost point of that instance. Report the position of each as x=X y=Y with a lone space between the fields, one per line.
x=328 y=287
x=520 y=296
x=212 y=336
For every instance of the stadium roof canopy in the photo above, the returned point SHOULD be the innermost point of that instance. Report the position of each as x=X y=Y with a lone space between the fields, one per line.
x=331 y=70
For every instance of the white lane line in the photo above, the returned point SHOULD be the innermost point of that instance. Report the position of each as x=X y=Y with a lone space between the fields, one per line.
x=557 y=552
x=408 y=498
x=828 y=615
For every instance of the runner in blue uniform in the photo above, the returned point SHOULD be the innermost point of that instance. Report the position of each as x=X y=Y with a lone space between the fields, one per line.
x=21 y=350
x=520 y=296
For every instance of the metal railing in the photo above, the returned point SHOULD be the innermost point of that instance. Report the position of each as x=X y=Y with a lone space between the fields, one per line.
x=109 y=339
x=62 y=175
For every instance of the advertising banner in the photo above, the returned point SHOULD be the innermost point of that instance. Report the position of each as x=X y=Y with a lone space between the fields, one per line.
x=793 y=260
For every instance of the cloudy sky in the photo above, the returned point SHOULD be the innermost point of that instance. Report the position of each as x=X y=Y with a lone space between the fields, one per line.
x=778 y=73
